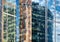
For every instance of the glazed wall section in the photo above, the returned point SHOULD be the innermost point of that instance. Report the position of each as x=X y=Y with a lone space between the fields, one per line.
x=0 y=20
x=25 y=21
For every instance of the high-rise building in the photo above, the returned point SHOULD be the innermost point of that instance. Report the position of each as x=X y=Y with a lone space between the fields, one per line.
x=25 y=21
x=1 y=21
x=8 y=18
x=32 y=21
x=38 y=23
x=9 y=13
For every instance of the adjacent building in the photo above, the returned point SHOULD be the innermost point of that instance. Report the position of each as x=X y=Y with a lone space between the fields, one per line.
x=9 y=22
x=8 y=18
x=32 y=21
x=38 y=23
x=1 y=21
x=25 y=21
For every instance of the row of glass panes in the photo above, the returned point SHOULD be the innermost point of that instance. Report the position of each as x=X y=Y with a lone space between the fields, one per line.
x=9 y=10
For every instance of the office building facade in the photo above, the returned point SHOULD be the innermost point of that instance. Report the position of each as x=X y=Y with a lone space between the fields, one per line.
x=8 y=21
x=1 y=21
x=25 y=21
x=38 y=24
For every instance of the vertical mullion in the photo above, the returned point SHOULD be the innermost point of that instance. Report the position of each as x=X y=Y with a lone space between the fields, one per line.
x=55 y=19
x=46 y=39
x=7 y=23
x=14 y=24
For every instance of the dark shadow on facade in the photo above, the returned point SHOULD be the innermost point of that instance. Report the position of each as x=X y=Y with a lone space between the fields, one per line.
x=38 y=23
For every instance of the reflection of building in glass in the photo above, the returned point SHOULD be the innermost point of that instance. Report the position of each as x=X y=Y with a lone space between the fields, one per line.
x=0 y=20
x=38 y=23
x=9 y=21
x=36 y=31
x=17 y=21
x=50 y=26
x=25 y=21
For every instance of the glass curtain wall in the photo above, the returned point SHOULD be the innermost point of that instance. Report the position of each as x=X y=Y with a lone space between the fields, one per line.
x=57 y=10
x=38 y=21
x=52 y=20
x=54 y=6
x=17 y=21
x=0 y=20
x=9 y=14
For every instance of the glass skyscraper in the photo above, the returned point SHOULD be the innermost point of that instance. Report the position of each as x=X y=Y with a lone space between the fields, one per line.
x=8 y=21
x=38 y=23
x=9 y=18
x=25 y=21
x=0 y=20
x=29 y=20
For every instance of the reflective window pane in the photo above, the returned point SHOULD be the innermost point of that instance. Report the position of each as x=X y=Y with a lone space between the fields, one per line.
x=38 y=21
x=57 y=20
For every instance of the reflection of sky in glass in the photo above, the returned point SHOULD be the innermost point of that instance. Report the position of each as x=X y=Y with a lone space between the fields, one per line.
x=17 y=20
x=17 y=16
x=41 y=2
x=58 y=19
x=35 y=0
x=52 y=9
x=11 y=1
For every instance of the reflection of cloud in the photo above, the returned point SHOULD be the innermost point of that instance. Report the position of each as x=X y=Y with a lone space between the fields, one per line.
x=53 y=10
x=42 y=3
x=11 y=1
x=35 y=0
x=52 y=6
x=57 y=4
x=58 y=0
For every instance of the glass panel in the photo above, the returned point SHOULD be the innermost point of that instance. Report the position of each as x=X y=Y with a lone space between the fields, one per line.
x=0 y=11
x=5 y=28
x=9 y=28
x=11 y=1
x=9 y=10
x=51 y=20
x=38 y=20
x=0 y=20
x=10 y=7
x=57 y=20
x=0 y=2
x=5 y=23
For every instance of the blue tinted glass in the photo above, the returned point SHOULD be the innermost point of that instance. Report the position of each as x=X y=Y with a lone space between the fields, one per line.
x=57 y=20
